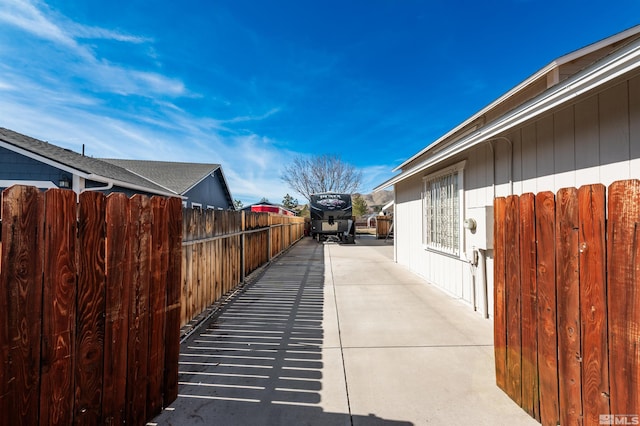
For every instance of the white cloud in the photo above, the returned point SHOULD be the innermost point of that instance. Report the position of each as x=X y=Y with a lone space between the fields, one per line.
x=29 y=18
x=36 y=18
x=125 y=81
x=80 y=60
x=71 y=97
x=86 y=32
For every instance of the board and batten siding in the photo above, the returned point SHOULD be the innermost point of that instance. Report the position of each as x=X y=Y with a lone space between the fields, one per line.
x=596 y=139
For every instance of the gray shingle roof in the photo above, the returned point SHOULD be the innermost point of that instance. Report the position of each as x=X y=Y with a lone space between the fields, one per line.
x=178 y=177
x=95 y=169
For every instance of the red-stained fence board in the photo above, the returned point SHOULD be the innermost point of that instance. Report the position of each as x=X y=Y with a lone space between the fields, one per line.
x=499 y=306
x=138 y=347
x=21 y=303
x=530 y=394
x=91 y=308
x=623 y=295
x=59 y=310
x=546 y=286
x=157 y=304
x=568 y=307
x=172 y=321
x=513 y=298
x=118 y=291
x=593 y=304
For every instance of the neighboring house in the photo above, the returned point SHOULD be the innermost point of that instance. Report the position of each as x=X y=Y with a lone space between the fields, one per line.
x=28 y=161
x=267 y=207
x=574 y=122
x=203 y=185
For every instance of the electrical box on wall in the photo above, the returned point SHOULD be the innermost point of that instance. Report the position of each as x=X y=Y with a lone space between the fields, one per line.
x=478 y=225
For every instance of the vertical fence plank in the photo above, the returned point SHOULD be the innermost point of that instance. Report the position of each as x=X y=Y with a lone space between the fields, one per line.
x=217 y=244
x=568 y=306
x=157 y=303
x=91 y=308
x=547 y=333
x=513 y=298
x=530 y=394
x=137 y=368
x=201 y=262
x=172 y=320
x=623 y=295
x=117 y=295
x=500 y=315
x=593 y=303
x=186 y=262
x=195 y=283
x=209 y=282
x=21 y=293
x=59 y=309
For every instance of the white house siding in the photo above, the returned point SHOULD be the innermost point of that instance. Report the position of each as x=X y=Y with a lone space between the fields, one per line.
x=446 y=272
x=596 y=139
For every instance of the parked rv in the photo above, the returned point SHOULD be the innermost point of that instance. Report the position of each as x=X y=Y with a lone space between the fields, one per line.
x=332 y=216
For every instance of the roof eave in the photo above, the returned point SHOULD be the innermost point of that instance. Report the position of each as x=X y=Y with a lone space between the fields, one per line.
x=545 y=70
x=620 y=63
x=438 y=142
x=134 y=187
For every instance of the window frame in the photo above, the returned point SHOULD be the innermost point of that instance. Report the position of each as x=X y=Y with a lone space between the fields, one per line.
x=450 y=171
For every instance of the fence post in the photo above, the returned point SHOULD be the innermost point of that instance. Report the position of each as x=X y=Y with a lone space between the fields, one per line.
x=242 y=245
x=269 y=243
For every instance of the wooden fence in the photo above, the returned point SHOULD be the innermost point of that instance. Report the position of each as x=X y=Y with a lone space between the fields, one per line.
x=567 y=303
x=89 y=307
x=384 y=226
x=221 y=247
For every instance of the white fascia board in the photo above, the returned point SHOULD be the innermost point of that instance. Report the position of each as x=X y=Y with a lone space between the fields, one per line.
x=386 y=184
x=622 y=62
x=41 y=184
x=388 y=205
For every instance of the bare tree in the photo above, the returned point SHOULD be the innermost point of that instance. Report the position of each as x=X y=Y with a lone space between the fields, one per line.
x=321 y=173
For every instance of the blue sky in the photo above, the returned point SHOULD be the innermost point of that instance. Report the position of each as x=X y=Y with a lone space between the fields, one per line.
x=249 y=84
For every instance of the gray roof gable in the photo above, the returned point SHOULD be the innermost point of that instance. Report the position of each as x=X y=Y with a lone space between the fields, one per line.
x=178 y=177
x=89 y=167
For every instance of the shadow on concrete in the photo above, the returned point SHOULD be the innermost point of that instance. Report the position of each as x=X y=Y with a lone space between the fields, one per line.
x=260 y=361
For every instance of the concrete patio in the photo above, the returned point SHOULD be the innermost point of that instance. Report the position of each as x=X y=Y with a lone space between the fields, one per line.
x=336 y=334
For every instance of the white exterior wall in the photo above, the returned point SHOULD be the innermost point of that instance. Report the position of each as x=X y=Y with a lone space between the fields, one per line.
x=445 y=271
x=595 y=140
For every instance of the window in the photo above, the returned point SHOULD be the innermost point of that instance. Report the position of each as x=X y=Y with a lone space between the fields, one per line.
x=442 y=209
